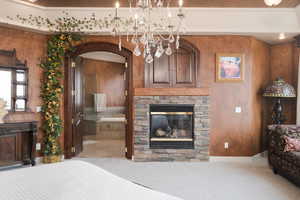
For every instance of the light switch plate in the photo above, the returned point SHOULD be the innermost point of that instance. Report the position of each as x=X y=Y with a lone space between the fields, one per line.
x=38 y=109
x=38 y=146
x=226 y=145
x=238 y=109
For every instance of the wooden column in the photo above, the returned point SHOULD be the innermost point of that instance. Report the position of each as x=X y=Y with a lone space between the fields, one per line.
x=298 y=86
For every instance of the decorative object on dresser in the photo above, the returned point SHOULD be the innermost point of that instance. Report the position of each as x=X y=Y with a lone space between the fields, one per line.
x=3 y=111
x=229 y=67
x=17 y=144
x=285 y=163
x=279 y=89
x=14 y=79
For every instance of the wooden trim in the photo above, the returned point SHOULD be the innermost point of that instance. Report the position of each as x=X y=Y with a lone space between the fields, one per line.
x=171 y=92
x=149 y=80
x=90 y=47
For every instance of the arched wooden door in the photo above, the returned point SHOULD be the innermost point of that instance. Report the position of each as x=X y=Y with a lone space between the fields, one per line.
x=72 y=105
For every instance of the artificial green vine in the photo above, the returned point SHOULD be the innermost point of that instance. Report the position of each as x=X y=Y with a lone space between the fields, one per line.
x=52 y=89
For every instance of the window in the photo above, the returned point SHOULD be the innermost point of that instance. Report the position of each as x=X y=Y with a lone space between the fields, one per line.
x=5 y=82
x=13 y=81
x=13 y=84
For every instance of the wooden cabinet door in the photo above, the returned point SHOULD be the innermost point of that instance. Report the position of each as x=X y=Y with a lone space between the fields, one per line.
x=177 y=70
x=77 y=111
x=184 y=68
x=157 y=73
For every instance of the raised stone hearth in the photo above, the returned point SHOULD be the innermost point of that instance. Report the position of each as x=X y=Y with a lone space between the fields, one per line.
x=142 y=150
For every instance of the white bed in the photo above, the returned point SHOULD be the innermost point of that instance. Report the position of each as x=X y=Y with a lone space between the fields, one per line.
x=71 y=180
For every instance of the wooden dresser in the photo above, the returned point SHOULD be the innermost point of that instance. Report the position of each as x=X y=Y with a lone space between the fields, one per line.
x=17 y=144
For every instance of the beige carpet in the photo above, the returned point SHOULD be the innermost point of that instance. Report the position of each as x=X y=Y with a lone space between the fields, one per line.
x=251 y=180
x=97 y=148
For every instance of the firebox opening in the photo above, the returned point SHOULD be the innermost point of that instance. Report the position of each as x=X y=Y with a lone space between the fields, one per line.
x=172 y=126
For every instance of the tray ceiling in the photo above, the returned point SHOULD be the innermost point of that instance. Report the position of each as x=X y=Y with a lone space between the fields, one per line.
x=187 y=3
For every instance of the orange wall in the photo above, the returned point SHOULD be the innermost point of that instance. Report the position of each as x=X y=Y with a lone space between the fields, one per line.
x=31 y=47
x=104 y=77
x=284 y=63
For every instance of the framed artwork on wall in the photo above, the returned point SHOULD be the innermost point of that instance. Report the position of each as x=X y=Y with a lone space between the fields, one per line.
x=229 y=67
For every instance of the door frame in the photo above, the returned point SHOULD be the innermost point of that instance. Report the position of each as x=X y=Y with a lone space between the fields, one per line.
x=68 y=80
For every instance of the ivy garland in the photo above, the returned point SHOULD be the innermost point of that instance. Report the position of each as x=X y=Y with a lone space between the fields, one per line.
x=52 y=89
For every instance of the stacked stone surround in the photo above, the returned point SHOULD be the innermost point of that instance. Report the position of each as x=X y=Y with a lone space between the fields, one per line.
x=142 y=151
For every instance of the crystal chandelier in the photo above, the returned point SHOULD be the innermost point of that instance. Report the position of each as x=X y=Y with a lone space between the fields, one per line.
x=272 y=2
x=152 y=27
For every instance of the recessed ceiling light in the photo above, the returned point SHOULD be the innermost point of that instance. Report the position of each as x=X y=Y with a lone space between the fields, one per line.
x=282 y=36
x=33 y=1
x=272 y=2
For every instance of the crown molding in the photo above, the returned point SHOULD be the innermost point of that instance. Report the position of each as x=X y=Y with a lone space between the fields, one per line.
x=263 y=23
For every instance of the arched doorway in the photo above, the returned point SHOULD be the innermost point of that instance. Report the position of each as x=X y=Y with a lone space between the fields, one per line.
x=72 y=145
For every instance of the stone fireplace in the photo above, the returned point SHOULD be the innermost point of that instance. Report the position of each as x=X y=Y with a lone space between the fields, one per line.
x=171 y=126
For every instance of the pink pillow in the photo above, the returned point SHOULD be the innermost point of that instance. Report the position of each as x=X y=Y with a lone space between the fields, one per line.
x=291 y=144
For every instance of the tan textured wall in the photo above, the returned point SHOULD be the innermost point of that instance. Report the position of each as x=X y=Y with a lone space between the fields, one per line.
x=30 y=47
x=242 y=131
x=104 y=77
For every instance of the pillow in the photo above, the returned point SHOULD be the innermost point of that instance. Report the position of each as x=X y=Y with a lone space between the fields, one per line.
x=291 y=144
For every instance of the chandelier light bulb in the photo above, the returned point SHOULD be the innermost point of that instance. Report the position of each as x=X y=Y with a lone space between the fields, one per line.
x=272 y=2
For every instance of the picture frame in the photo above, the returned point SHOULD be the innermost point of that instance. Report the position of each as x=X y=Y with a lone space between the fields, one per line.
x=229 y=67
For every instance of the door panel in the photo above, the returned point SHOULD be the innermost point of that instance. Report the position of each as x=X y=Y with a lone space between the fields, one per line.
x=159 y=72
x=77 y=112
x=161 y=68
x=184 y=66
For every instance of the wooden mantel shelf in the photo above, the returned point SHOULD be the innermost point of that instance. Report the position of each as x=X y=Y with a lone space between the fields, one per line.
x=171 y=92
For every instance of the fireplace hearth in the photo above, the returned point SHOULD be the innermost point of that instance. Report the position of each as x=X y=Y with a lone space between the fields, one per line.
x=171 y=126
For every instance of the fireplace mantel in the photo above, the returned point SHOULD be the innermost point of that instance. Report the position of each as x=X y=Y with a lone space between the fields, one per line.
x=171 y=91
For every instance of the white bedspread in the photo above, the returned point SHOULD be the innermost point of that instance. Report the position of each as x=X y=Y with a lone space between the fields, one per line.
x=71 y=180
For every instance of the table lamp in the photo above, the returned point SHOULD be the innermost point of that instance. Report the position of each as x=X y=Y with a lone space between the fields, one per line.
x=279 y=89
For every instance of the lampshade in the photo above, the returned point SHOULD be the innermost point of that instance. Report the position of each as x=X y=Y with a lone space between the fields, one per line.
x=280 y=88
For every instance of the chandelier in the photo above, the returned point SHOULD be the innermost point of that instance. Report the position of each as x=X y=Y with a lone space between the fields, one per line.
x=272 y=2
x=152 y=27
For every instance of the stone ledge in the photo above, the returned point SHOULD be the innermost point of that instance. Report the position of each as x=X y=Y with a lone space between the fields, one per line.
x=171 y=92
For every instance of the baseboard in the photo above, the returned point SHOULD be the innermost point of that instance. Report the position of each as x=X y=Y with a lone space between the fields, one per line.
x=230 y=158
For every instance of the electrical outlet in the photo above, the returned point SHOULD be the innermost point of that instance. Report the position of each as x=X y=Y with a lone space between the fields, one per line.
x=38 y=109
x=38 y=146
x=226 y=145
x=238 y=109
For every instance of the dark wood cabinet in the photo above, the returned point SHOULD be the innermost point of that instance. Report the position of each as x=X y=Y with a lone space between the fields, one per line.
x=177 y=70
x=17 y=144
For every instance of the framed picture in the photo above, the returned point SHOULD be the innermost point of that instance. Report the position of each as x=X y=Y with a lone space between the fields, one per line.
x=229 y=67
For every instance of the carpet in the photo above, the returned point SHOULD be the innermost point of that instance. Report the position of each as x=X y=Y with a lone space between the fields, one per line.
x=204 y=180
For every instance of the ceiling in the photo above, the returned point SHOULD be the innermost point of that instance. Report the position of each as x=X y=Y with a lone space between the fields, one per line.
x=187 y=3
